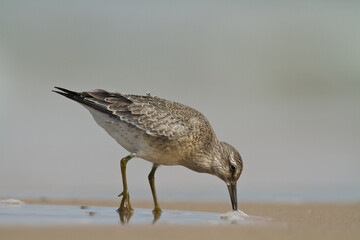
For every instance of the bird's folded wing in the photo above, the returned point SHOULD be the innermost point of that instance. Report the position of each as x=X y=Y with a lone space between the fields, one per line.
x=139 y=111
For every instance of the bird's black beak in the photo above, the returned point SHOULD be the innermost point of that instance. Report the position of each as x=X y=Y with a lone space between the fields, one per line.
x=233 y=197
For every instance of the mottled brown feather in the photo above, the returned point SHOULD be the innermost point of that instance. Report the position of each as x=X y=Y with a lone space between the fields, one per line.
x=143 y=112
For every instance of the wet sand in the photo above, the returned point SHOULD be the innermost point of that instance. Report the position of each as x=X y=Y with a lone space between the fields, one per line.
x=289 y=221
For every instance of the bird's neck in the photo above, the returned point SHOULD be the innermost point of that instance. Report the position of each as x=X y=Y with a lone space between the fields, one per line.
x=207 y=159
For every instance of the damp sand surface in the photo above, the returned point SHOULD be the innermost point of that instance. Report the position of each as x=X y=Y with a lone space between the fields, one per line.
x=70 y=219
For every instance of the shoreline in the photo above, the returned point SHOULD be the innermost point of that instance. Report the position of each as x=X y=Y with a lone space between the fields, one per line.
x=296 y=221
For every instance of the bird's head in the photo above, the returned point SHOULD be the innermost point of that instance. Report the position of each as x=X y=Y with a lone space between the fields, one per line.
x=229 y=169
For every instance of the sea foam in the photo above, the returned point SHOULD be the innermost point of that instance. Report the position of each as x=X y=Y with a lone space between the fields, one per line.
x=11 y=202
x=237 y=215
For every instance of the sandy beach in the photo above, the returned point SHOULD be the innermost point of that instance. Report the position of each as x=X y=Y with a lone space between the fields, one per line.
x=289 y=221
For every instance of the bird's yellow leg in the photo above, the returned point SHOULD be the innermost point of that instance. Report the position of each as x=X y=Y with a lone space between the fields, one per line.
x=151 y=177
x=125 y=201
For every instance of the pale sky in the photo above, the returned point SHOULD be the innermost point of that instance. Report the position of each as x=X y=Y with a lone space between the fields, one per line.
x=280 y=82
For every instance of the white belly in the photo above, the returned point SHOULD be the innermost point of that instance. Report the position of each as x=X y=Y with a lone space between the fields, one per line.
x=133 y=139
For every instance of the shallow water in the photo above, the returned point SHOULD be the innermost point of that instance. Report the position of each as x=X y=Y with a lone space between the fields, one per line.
x=17 y=213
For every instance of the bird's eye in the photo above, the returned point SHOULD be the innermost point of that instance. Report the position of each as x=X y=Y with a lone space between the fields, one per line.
x=232 y=168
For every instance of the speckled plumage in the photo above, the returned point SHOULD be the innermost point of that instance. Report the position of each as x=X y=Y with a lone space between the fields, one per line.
x=161 y=131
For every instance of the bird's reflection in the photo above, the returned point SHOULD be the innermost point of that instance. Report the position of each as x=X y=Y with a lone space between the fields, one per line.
x=157 y=216
x=126 y=215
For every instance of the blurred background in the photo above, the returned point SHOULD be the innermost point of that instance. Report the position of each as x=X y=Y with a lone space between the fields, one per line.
x=279 y=80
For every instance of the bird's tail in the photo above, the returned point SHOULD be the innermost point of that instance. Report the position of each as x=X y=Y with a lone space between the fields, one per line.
x=82 y=99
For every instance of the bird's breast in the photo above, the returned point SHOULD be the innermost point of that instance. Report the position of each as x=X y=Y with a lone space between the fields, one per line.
x=157 y=150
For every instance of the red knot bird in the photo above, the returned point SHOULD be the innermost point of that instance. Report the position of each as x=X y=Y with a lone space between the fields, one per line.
x=162 y=132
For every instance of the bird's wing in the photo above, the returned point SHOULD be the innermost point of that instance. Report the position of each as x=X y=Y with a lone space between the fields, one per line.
x=139 y=111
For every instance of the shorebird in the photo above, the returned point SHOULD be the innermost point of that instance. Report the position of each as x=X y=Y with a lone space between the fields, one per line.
x=162 y=132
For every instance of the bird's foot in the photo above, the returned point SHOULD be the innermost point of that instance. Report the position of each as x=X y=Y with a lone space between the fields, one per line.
x=125 y=205
x=157 y=214
x=125 y=216
x=157 y=210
